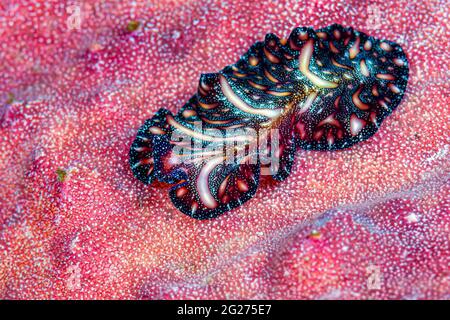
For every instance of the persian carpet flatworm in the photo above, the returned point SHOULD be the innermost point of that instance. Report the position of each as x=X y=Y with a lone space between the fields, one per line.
x=323 y=89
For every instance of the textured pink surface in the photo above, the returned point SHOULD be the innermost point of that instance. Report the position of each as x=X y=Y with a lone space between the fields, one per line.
x=72 y=99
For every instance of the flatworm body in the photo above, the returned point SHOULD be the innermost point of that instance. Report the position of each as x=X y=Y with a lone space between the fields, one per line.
x=323 y=89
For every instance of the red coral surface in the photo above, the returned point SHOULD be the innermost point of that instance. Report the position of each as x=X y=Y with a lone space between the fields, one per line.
x=77 y=79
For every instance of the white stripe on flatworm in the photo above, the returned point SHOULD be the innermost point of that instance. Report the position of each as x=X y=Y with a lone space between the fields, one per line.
x=240 y=104
x=308 y=102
